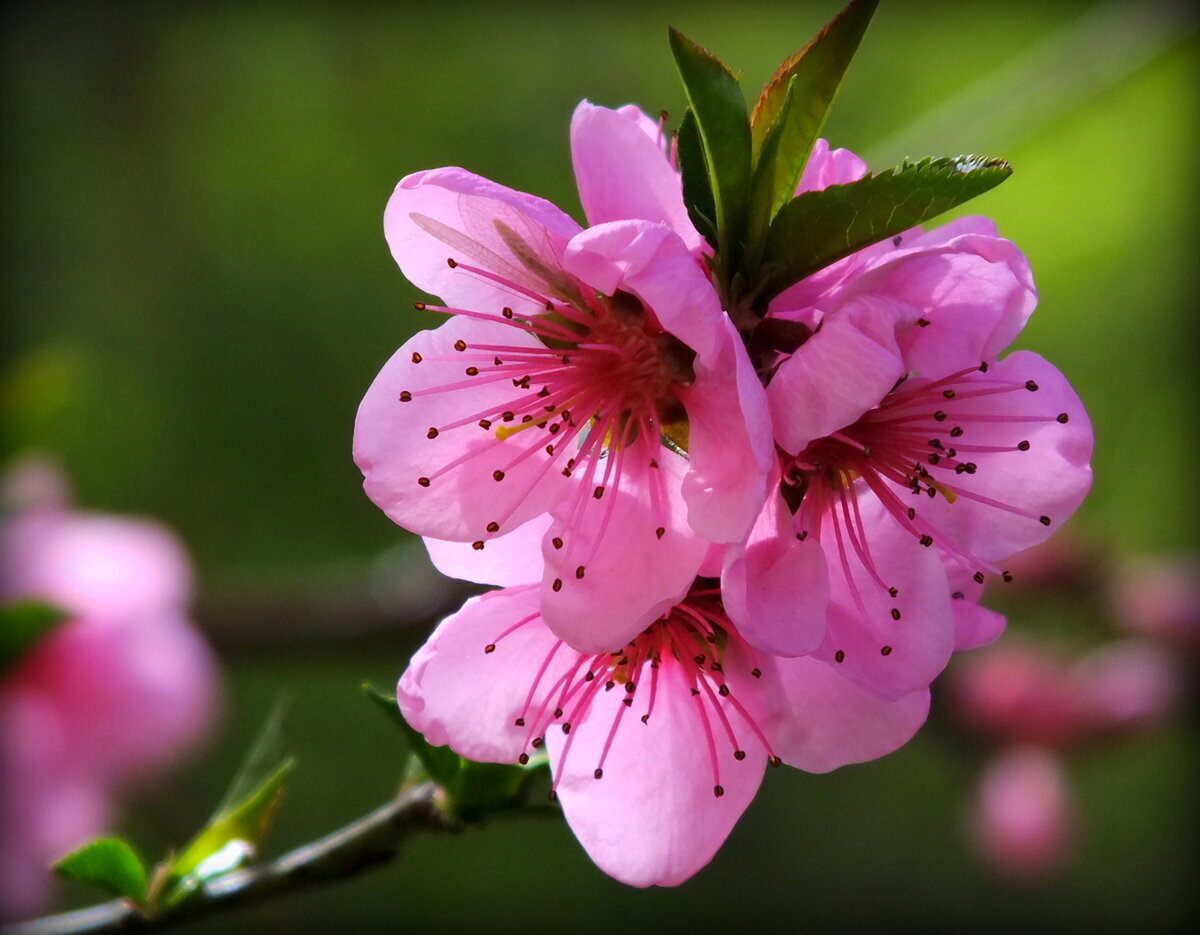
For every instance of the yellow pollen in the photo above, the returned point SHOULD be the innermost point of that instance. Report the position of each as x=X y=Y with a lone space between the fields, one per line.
x=950 y=495
x=504 y=431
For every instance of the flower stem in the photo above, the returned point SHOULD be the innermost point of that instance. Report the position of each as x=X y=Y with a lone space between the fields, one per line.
x=370 y=841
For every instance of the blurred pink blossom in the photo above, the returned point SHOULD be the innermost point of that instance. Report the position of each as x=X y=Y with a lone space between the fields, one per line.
x=1021 y=694
x=106 y=699
x=1036 y=704
x=1023 y=819
x=1160 y=598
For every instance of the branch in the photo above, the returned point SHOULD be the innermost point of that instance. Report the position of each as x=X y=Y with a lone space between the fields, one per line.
x=371 y=841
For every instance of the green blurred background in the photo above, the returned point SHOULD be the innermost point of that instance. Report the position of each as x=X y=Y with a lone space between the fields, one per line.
x=199 y=294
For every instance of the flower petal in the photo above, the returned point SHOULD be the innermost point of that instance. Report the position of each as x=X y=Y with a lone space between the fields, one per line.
x=827 y=167
x=456 y=693
x=393 y=449
x=653 y=818
x=609 y=573
x=1024 y=817
x=650 y=261
x=833 y=721
x=975 y=290
x=892 y=644
x=839 y=373
x=974 y=625
x=730 y=448
x=103 y=567
x=623 y=173
x=506 y=561
x=775 y=588
x=1049 y=479
x=450 y=213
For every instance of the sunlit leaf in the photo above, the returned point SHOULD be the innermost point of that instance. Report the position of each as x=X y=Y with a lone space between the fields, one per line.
x=767 y=190
x=819 y=228
x=22 y=626
x=813 y=74
x=236 y=829
x=261 y=760
x=110 y=863
x=716 y=100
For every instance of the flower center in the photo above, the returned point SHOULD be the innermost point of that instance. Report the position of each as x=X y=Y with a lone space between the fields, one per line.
x=594 y=396
x=927 y=437
x=686 y=650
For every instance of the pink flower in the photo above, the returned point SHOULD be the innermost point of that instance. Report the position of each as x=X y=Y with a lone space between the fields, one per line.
x=1037 y=705
x=569 y=353
x=1023 y=819
x=107 y=699
x=657 y=748
x=1160 y=598
x=1021 y=694
x=890 y=405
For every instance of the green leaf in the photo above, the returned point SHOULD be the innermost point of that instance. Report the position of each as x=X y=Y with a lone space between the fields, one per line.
x=473 y=789
x=234 y=832
x=441 y=764
x=819 y=228
x=22 y=626
x=261 y=760
x=767 y=190
x=816 y=71
x=110 y=863
x=693 y=168
x=790 y=113
x=716 y=101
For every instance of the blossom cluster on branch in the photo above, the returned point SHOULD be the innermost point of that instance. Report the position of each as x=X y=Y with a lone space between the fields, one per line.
x=106 y=682
x=739 y=454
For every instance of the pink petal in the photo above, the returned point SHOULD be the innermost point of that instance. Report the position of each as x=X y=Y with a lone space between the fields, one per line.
x=393 y=450
x=833 y=721
x=630 y=574
x=650 y=261
x=1017 y=692
x=450 y=213
x=653 y=819
x=827 y=167
x=48 y=806
x=776 y=588
x=730 y=449
x=457 y=694
x=506 y=561
x=839 y=373
x=1159 y=597
x=104 y=567
x=976 y=292
x=892 y=645
x=1129 y=685
x=1050 y=479
x=623 y=173
x=129 y=696
x=974 y=626
x=1024 y=817
x=729 y=445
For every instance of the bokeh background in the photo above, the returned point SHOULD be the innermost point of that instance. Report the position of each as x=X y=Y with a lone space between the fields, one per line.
x=198 y=294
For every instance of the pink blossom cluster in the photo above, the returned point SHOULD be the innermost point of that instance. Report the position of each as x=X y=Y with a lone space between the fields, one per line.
x=105 y=700
x=721 y=540
x=1034 y=705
